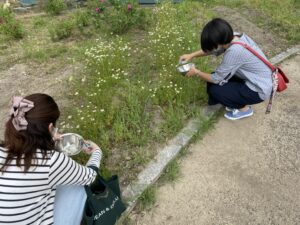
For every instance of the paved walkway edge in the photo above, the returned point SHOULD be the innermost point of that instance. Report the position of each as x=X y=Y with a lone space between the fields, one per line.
x=156 y=167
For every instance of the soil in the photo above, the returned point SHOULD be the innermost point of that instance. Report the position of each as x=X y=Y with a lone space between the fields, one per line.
x=242 y=172
x=24 y=79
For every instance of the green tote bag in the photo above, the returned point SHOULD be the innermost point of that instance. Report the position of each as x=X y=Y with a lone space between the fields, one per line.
x=103 y=205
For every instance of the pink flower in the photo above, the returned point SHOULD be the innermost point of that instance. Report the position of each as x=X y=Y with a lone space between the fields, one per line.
x=99 y=10
x=102 y=1
x=129 y=7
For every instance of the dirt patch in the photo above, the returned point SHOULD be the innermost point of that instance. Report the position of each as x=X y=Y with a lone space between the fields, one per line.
x=270 y=43
x=22 y=79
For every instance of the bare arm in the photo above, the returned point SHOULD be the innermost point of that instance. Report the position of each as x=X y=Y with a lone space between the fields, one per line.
x=195 y=72
x=199 y=53
x=189 y=57
x=205 y=76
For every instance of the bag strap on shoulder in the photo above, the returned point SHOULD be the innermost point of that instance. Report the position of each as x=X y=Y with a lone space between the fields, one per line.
x=273 y=68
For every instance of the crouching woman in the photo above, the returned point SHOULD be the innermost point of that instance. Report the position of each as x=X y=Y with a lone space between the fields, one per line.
x=39 y=185
x=241 y=79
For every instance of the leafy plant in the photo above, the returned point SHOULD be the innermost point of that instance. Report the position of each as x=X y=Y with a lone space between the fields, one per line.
x=171 y=173
x=54 y=7
x=61 y=30
x=9 y=26
x=119 y=18
x=81 y=19
x=39 y=22
x=147 y=198
x=119 y=21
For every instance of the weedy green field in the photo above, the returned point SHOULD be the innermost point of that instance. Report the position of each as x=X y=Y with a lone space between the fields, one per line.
x=131 y=95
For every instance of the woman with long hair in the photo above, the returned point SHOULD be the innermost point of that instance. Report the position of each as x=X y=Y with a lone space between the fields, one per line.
x=38 y=184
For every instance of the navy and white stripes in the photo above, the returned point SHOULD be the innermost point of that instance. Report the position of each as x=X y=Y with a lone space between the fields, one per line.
x=28 y=198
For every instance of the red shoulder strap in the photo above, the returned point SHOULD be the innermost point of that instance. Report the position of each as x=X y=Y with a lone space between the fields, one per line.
x=256 y=54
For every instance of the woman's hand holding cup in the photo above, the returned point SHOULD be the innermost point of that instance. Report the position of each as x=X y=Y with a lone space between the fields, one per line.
x=89 y=147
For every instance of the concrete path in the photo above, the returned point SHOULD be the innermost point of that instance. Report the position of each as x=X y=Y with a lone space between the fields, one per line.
x=242 y=172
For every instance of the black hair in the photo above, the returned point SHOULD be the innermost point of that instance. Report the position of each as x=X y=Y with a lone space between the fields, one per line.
x=216 y=32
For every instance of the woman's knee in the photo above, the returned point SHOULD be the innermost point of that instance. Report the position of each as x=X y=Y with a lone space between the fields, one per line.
x=213 y=90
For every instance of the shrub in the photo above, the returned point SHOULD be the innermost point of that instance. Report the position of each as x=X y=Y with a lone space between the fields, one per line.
x=126 y=16
x=119 y=18
x=119 y=21
x=61 y=30
x=143 y=19
x=54 y=7
x=81 y=19
x=9 y=25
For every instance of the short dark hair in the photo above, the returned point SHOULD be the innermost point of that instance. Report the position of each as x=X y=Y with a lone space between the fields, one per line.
x=24 y=143
x=216 y=32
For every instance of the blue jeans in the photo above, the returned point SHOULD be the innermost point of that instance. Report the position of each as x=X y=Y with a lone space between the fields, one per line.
x=69 y=204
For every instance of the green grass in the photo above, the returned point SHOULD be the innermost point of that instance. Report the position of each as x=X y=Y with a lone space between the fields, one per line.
x=279 y=17
x=10 y=27
x=171 y=173
x=147 y=198
x=61 y=30
x=39 y=22
x=43 y=54
x=206 y=126
x=285 y=18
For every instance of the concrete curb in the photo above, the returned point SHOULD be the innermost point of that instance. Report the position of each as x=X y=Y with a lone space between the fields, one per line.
x=156 y=167
x=284 y=55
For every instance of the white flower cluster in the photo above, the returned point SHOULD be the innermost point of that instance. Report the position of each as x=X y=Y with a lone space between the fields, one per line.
x=107 y=55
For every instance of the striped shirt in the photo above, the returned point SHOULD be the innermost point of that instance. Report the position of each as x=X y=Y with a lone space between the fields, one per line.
x=28 y=198
x=242 y=63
